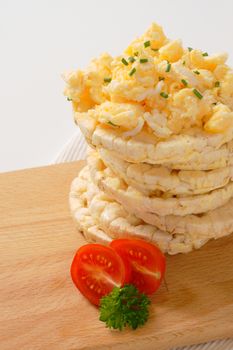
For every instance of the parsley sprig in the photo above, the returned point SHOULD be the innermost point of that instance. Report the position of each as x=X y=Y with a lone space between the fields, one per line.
x=124 y=306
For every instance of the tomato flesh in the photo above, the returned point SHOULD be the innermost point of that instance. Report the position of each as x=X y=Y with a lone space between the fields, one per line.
x=96 y=270
x=146 y=260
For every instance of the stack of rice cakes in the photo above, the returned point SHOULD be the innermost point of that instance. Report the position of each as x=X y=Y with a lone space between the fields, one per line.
x=160 y=123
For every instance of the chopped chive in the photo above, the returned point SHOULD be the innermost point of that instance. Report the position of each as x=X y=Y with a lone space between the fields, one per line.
x=163 y=94
x=124 y=62
x=69 y=99
x=147 y=43
x=184 y=82
x=205 y=54
x=111 y=123
x=196 y=72
x=132 y=72
x=107 y=80
x=168 y=67
x=197 y=93
x=131 y=59
x=136 y=53
x=161 y=78
x=190 y=49
x=217 y=84
x=183 y=63
x=143 y=60
x=155 y=50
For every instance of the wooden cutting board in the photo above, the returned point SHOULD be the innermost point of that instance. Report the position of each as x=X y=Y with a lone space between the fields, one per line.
x=41 y=309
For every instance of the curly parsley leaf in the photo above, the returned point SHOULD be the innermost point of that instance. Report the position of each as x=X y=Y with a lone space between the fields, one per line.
x=123 y=307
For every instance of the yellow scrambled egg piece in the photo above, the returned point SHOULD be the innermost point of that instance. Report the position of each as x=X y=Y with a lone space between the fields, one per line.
x=156 y=81
x=152 y=40
x=115 y=114
x=221 y=119
x=172 y=51
x=85 y=88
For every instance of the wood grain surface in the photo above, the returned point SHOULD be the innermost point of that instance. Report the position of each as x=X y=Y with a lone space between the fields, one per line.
x=41 y=309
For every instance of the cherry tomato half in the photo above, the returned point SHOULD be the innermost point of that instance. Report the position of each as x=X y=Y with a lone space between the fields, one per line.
x=96 y=270
x=147 y=263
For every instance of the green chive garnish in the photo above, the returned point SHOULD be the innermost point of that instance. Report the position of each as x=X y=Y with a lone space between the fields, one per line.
x=132 y=72
x=197 y=93
x=196 y=72
x=147 y=43
x=124 y=62
x=184 y=82
x=190 y=49
x=111 y=123
x=163 y=94
x=217 y=84
x=156 y=50
x=205 y=54
x=168 y=67
x=131 y=59
x=143 y=60
x=69 y=99
x=161 y=78
x=136 y=53
x=107 y=80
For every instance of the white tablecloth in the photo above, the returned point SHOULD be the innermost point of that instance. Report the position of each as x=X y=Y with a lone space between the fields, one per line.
x=75 y=149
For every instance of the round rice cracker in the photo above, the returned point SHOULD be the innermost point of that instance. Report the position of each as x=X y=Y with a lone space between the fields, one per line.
x=215 y=224
x=195 y=150
x=149 y=179
x=136 y=201
x=101 y=219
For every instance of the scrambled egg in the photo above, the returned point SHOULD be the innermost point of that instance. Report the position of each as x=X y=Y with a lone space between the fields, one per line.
x=158 y=85
x=124 y=115
x=85 y=88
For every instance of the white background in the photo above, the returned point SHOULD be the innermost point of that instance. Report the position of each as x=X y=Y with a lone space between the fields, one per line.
x=41 y=39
